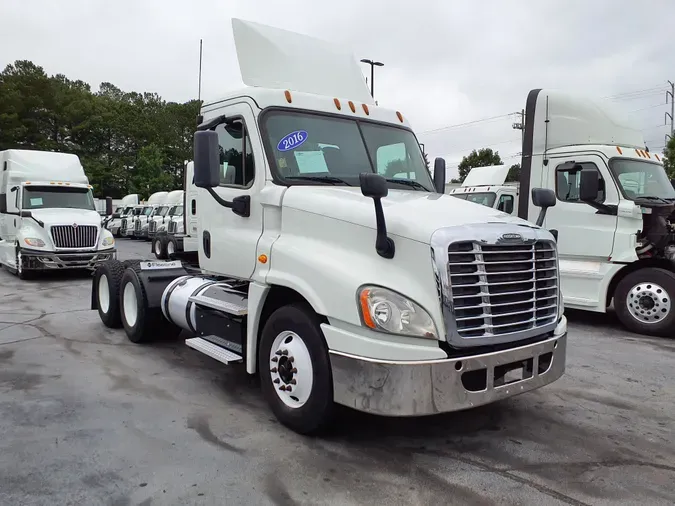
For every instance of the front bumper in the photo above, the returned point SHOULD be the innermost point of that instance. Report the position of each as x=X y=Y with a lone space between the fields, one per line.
x=417 y=388
x=49 y=260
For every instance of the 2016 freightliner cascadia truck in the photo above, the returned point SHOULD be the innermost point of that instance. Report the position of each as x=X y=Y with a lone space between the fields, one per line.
x=48 y=219
x=332 y=264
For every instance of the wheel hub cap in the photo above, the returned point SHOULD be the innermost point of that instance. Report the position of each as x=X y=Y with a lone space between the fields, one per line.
x=291 y=369
x=648 y=303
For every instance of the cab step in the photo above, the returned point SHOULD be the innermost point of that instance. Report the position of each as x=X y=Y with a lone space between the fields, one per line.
x=213 y=350
x=226 y=302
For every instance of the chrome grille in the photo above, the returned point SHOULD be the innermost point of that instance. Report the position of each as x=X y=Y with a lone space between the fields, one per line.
x=68 y=236
x=152 y=226
x=502 y=289
x=172 y=227
x=123 y=225
x=137 y=226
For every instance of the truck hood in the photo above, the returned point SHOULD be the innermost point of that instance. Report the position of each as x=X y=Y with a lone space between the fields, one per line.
x=413 y=215
x=67 y=216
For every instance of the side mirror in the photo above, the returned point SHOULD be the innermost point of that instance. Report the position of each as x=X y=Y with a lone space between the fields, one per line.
x=108 y=206
x=26 y=214
x=375 y=187
x=206 y=159
x=589 y=185
x=439 y=175
x=543 y=198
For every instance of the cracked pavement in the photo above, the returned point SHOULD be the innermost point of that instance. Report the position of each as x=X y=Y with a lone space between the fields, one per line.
x=86 y=417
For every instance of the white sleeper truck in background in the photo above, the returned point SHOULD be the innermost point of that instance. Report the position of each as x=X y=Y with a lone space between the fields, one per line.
x=332 y=265
x=615 y=212
x=48 y=219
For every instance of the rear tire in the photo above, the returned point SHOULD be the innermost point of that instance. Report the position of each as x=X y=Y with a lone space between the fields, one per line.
x=158 y=248
x=106 y=288
x=141 y=323
x=293 y=337
x=644 y=302
x=170 y=248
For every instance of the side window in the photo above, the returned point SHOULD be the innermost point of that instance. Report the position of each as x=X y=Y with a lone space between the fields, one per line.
x=567 y=179
x=392 y=161
x=505 y=204
x=236 y=156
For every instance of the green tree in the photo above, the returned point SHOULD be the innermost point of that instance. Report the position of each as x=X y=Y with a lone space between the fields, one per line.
x=127 y=141
x=669 y=158
x=514 y=173
x=481 y=158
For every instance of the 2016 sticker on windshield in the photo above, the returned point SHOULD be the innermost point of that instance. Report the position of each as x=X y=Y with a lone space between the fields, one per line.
x=292 y=140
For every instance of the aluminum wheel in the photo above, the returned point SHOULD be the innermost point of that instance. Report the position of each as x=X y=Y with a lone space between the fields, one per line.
x=170 y=248
x=130 y=304
x=648 y=303
x=103 y=293
x=158 y=248
x=291 y=369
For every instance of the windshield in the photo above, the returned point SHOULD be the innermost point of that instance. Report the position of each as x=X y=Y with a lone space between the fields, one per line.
x=146 y=211
x=178 y=211
x=161 y=211
x=642 y=179
x=317 y=149
x=483 y=198
x=41 y=197
x=127 y=210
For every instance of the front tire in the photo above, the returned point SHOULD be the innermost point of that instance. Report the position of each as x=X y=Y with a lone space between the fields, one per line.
x=106 y=287
x=644 y=304
x=295 y=370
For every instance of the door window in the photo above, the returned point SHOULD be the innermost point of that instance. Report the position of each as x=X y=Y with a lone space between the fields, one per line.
x=568 y=177
x=236 y=155
x=505 y=204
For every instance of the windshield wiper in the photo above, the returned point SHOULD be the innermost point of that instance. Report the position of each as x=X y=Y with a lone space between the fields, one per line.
x=321 y=179
x=408 y=182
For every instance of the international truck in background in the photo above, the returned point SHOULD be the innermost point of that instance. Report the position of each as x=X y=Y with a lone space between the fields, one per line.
x=332 y=265
x=122 y=211
x=47 y=215
x=615 y=208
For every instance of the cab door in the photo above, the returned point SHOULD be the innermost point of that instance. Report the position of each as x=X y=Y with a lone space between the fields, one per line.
x=228 y=241
x=585 y=236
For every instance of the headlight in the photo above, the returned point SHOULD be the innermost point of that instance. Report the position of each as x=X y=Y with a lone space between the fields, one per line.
x=387 y=311
x=34 y=241
x=107 y=241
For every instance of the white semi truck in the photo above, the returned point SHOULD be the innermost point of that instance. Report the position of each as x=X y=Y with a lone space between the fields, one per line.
x=162 y=216
x=47 y=215
x=127 y=204
x=614 y=214
x=332 y=265
x=156 y=203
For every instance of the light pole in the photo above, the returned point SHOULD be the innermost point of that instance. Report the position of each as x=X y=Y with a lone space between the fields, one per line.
x=372 y=64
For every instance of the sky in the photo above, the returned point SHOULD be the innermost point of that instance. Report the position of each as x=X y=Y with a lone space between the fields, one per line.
x=448 y=65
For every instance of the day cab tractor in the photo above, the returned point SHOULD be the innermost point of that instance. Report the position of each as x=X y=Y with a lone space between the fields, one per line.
x=330 y=262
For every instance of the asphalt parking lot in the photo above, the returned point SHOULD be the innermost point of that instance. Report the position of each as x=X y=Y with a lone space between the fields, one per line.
x=86 y=418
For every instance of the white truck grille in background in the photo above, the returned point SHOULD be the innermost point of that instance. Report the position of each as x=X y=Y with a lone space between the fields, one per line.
x=69 y=236
x=123 y=225
x=137 y=226
x=502 y=289
x=172 y=227
x=152 y=226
